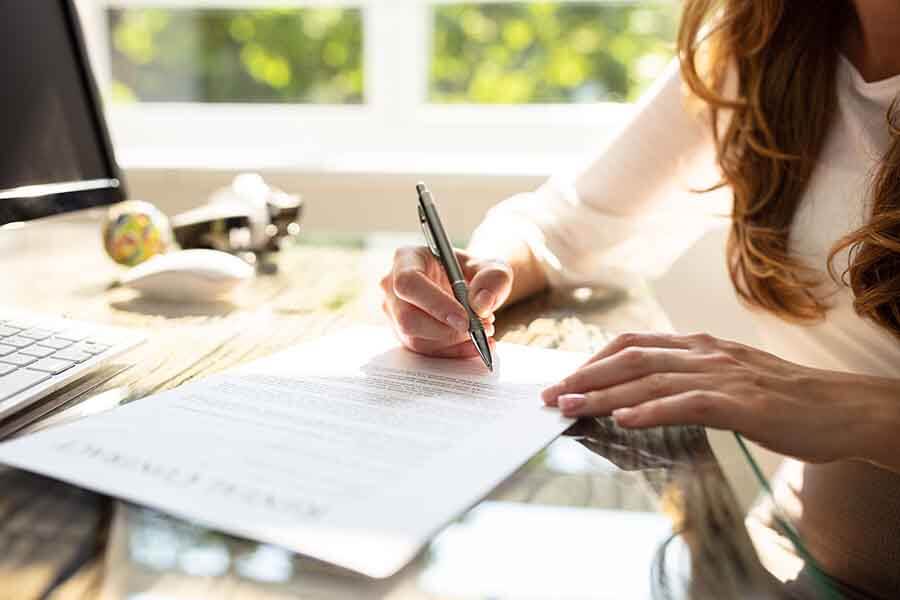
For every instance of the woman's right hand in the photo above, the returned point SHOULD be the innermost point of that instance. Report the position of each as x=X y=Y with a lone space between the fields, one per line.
x=421 y=306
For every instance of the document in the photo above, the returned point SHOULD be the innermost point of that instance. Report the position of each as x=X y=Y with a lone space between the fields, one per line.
x=348 y=449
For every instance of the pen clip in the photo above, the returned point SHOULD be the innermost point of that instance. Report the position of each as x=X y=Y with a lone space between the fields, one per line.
x=426 y=230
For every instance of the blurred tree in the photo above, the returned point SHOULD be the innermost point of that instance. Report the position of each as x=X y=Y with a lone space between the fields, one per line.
x=510 y=52
x=219 y=55
x=527 y=52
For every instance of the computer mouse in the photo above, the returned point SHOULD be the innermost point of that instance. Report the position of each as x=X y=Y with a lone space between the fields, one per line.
x=188 y=275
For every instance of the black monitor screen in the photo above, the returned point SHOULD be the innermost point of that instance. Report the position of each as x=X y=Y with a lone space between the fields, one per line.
x=55 y=154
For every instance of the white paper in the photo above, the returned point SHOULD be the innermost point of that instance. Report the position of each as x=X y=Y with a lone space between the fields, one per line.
x=348 y=449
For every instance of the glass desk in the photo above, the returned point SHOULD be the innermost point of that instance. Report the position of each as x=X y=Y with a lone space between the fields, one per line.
x=601 y=513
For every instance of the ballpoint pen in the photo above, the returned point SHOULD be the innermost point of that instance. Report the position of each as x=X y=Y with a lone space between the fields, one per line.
x=442 y=249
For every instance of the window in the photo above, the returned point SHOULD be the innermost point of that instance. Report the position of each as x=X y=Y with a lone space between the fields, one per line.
x=547 y=52
x=320 y=79
x=306 y=55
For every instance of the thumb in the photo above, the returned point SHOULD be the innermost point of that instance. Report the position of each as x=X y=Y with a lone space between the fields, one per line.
x=490 y=287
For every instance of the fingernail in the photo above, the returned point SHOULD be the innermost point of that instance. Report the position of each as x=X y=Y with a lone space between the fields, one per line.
x=550 y=396
x=624 y=416
x=483 y=302
x=570 y=403
x=458 y=323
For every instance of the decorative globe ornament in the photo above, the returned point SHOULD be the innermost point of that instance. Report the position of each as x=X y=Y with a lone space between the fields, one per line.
x=135 y=231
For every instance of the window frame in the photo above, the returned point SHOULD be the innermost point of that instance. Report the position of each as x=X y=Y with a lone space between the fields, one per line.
x=395 y=126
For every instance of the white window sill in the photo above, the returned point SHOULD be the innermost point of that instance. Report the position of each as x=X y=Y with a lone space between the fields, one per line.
x=300 y=160
x=460 y=140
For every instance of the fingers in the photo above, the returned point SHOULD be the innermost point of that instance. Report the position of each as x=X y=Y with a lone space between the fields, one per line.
x=412 y=284
x=691 y=406
x=422 y=309
x=464 y=349
x=410 y=321
x=416 y=279
x=628 y=365
x=652 y=387
x=490 y=286
x=642 y=340
x=710 y=409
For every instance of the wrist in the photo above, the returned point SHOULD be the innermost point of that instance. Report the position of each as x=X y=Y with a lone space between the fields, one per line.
x=880 y=443
x=528 y=276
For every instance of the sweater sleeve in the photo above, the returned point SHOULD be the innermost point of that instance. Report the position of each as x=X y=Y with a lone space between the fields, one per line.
x=630 y=210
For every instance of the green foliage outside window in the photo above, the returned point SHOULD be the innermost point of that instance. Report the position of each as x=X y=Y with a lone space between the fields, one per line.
x=217 y=55
x=516 y=52
x=524 y=52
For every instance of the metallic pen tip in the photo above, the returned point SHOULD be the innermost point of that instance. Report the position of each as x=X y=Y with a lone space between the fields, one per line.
x=486 y=358
x=421 y=188
x=484 y=350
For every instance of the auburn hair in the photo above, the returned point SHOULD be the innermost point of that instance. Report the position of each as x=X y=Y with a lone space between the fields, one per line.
x=769 y=132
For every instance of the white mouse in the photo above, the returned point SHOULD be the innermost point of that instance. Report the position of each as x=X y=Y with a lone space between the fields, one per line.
x=188 y=275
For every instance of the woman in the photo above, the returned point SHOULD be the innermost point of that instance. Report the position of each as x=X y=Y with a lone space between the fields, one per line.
x=788 y=102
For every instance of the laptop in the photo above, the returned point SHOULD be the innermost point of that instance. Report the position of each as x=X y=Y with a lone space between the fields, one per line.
x=57 y=158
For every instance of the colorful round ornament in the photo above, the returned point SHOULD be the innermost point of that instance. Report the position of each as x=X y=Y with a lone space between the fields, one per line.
x=135 y=231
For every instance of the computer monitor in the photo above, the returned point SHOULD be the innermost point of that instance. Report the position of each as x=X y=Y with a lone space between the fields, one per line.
x=55 y=151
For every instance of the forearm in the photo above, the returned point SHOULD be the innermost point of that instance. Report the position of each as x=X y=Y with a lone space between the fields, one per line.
x=882 y=421
x=528 y=277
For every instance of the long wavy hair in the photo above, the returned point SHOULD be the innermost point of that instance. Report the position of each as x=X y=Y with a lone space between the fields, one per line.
x=770 y=131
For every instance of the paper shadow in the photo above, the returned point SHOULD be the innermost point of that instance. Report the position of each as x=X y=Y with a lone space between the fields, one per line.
x=174 y=310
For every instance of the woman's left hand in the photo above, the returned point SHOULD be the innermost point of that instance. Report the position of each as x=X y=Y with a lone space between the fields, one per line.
x=645 y=380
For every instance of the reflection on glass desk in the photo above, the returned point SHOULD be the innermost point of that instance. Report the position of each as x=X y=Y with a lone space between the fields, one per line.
x=601 y=513
x=591 y=517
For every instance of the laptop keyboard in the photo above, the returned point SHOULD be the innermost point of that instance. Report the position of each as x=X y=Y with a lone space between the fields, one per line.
x=37 y=351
